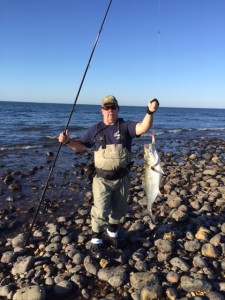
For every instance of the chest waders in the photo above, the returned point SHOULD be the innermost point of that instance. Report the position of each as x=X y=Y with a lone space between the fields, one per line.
x=111 y=183
x=112 y=161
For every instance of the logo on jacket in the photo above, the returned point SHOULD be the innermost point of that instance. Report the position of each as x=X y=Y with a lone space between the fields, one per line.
x=117 y=135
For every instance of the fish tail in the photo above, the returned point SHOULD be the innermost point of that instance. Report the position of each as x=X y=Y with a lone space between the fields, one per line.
x=152 y=217
x=151 y=214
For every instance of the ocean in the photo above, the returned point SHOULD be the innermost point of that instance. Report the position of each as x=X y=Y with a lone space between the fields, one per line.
x=28 y=130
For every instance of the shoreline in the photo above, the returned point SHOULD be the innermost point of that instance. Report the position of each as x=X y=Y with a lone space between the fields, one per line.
x=179 y=257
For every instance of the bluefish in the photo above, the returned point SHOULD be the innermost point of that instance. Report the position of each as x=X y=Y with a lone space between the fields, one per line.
x=153 y=173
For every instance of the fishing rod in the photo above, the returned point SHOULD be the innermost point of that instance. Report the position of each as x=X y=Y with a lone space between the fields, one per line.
x=68 y=122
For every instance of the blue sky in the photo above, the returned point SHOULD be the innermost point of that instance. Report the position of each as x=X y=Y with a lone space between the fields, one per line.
x=170 y=49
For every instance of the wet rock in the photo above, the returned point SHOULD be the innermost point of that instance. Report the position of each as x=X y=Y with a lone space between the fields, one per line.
x=9 y=199
x=2 y=225
x=15 y=186
x=8 y=179
x=49 y=154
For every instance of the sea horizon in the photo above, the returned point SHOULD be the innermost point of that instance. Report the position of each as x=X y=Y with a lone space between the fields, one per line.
x=98 y=104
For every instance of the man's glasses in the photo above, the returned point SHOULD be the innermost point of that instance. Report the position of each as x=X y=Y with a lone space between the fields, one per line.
x=108 y=107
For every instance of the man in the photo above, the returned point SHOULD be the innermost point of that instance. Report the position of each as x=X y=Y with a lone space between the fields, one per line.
x=111 y=140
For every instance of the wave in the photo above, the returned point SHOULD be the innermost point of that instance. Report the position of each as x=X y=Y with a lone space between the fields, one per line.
x=35 y=128
x=51 y=137
x=180 y=131
x=210 y=129
x=17 y=147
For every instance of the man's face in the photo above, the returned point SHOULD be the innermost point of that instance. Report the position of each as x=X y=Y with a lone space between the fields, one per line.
x=110 y=113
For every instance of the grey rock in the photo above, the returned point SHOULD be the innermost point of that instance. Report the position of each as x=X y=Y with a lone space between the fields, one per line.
x=172 y=277
x=5 y=290
x=179 y=263
x=2 y=224
x=23 y=266
x=211 y=172
x=209 y=250
x=78 y=258
x=179 y=215
x=136 y=226
x=19 y=241
x=215 y=296
x=200 y=262
x=63 y=288
x=53 y=247
x=192 y=246
x=196 y=285
x=66 y=240
x=141 y=279
x=151 y=292
x=8 y=257
x=52 y=228
x=78 y=279
x=115 y=276
x=91 y=265
x=32 y=293
x=49 y=281
x=164 y=246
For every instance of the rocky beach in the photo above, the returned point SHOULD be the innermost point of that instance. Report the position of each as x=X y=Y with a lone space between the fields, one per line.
x=179 y=257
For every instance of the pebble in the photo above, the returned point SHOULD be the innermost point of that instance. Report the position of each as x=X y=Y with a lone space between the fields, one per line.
x=195 y=285
x=115 y=276
x=32 y=293
x=63 y=289
x=179 y=257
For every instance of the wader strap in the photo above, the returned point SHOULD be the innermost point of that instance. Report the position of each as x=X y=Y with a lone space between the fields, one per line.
x=122 y=131
x=101 y=135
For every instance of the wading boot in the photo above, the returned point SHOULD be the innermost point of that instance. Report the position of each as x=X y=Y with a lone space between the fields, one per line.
x=111 y=235
x=97 y=245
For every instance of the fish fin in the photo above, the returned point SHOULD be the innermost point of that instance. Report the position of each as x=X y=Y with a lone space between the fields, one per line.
x=153 y=138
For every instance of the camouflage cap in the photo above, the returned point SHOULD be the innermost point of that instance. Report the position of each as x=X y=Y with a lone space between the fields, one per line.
x=107 y=100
